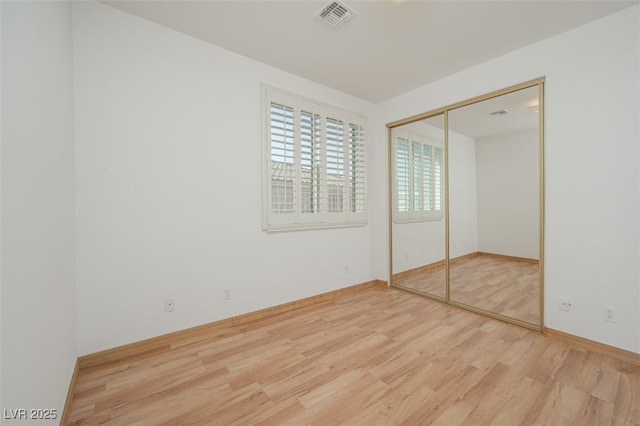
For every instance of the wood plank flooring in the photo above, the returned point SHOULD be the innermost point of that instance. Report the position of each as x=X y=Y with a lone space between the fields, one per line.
x=504 y=286
x=376 y=357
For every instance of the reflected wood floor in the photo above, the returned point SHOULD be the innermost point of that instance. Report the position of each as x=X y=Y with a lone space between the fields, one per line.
x=376 y=357
x=497 y=284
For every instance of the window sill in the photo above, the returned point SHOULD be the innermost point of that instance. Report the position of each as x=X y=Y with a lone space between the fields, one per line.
x=311 y=226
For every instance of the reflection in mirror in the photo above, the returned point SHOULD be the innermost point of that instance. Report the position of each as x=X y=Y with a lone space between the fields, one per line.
x=494 y=197
x=418 y=230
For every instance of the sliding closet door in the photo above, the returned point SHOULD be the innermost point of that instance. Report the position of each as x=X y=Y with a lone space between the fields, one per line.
x=466 y=204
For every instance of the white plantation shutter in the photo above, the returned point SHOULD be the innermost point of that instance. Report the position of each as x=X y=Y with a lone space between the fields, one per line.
x=310 y=161
x=403 y=202
x=428 y=178
x=282 y=155
x=418 y=178
x=438 y=180
x=357 y=169
x=335 y=165
x=315 y=168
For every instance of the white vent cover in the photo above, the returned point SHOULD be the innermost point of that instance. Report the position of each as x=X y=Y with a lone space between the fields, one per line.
x=336 y=13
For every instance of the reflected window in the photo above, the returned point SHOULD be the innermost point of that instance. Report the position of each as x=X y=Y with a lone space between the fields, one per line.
x=419 y=176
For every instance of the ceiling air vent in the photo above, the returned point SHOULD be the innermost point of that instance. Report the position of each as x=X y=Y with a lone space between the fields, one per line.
x=499 y=113
x=336 y=13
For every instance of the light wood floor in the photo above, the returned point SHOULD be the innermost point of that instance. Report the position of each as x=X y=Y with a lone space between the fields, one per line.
x=496 y=284
x=377 y=357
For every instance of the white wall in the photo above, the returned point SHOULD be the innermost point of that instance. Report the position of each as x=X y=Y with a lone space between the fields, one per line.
x=508 y=194
x=591 y=143
x=38 y=343
x=169 y=185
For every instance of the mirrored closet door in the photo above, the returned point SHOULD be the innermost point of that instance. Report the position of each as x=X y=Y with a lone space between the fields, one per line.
x=466 y=188
x=417 y=150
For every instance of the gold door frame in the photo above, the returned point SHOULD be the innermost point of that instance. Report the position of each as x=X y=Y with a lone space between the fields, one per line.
x=539 y=82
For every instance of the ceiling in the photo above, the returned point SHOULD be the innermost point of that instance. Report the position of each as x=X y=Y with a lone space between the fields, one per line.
x=389 y=48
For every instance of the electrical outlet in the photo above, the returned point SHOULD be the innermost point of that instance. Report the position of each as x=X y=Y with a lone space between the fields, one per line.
x=169 y=305
x=226 y=293
x=610 y=313
x=564 y=304
x=346 y=269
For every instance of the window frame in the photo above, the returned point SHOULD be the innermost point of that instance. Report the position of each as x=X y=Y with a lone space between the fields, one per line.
x=349 y=146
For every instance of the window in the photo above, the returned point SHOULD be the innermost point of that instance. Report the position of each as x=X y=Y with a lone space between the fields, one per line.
x=314 y=164
x=419 y=177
